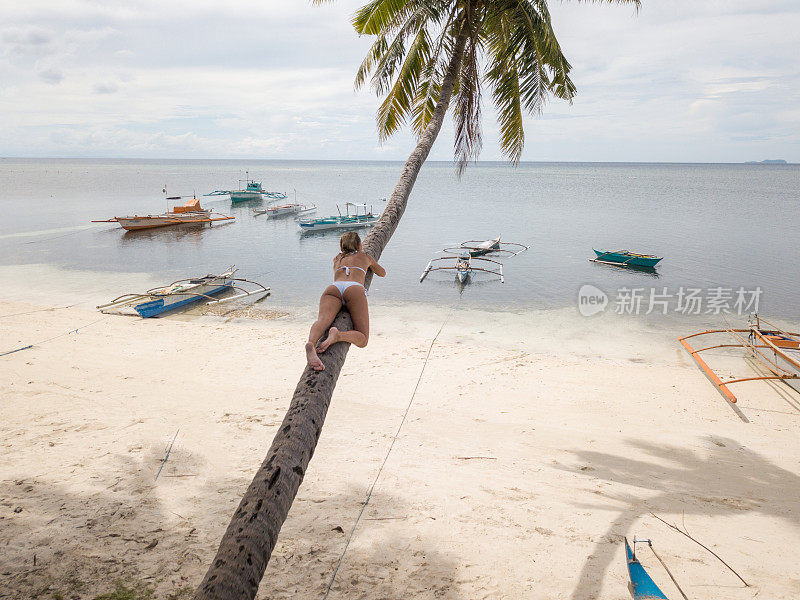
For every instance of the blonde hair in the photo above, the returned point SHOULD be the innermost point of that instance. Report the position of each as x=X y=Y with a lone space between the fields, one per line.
x=349 y=242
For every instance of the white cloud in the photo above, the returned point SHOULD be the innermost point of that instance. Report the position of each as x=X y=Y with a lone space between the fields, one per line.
x=683 y=80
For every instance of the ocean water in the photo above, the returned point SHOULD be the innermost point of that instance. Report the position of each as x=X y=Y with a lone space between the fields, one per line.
x=719 y=226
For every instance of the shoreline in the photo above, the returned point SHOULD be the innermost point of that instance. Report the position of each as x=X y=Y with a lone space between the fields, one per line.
x=547 y=433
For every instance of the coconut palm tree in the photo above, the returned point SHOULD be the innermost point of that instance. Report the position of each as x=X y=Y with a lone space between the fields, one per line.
x=426 y=55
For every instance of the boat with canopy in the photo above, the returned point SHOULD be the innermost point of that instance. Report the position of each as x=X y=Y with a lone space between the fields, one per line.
x=188 y=213
x=355 y=216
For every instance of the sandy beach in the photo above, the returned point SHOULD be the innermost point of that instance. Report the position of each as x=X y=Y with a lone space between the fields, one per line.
x=535 y=442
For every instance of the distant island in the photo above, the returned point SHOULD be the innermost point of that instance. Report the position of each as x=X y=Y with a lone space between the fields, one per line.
x=774 y=161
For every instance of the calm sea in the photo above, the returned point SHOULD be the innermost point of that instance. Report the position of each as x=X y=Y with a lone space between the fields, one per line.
x=716 y=225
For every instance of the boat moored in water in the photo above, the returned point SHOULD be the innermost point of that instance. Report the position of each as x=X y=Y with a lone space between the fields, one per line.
x=252 y=190
x=484 y=247
x=285 y=209
x=624 y=258
x=185 y=214
x=356 y=216
x=464 y=266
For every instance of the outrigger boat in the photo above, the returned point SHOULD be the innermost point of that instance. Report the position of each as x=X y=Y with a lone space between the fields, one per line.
x=251 y=191
x=181 y=293
x=625 y=258
x=285 y=209
x=776 y=350
x=483 y=247
x=188 y=213
x=642 y=585
x=293 y=208
x=360 y=217
x=464 y=267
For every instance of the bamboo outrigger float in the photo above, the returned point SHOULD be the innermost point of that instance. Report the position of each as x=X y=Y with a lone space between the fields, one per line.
x=776 y=350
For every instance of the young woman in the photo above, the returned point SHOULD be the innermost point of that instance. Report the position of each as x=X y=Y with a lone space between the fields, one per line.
x=349 y=270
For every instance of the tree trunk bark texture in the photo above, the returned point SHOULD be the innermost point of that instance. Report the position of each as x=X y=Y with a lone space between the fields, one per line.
x=247 y=544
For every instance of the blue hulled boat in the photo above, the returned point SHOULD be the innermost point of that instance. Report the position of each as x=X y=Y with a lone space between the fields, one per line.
x=642 y=586
x=624 y=258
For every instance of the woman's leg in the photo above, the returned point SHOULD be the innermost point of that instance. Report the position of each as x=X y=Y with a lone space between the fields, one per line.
x=329 y=305
x=357 y=305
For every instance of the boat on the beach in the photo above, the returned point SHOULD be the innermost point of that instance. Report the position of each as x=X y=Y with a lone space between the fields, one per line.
x=775 y=350
x=285 y=209
x=464 y=266
x=183 y=292
x=356 y=215
x=252 y=190
x=624 y=258
x=484 y=247
x=189 y=213
x=642 y=586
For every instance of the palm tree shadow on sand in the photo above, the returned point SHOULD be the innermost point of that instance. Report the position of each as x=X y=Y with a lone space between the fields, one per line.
x=728 y=480
x=119 y=530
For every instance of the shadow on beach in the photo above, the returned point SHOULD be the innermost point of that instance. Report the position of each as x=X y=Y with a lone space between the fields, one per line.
x=724 y=481
x=121 y=531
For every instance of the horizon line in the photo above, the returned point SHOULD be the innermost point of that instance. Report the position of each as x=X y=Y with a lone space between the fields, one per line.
x=399 y=161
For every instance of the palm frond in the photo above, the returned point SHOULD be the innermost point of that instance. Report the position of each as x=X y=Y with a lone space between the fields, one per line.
x=467 y=108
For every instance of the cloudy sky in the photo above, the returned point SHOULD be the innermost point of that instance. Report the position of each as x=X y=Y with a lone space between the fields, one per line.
x=681 y=80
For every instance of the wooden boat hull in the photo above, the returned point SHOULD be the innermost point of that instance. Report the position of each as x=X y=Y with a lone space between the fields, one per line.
x=627 y=259
x=642 y=586
x=150 y=222
x=336 y=223
x=160 y=304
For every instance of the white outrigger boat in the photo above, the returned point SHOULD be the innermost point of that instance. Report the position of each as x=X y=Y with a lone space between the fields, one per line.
x=464 y=267
x=252 y=190
x=483 y=247
x=360 y=217
x=285 y=209
x=775 y=350
x=280 y=210
x=181 y=293
x=188 y=213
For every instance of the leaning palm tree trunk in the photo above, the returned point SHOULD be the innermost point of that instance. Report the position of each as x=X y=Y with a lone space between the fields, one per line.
x=245 y=549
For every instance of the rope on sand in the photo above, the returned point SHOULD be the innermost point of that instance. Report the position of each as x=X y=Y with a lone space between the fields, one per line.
x=385 y=458
x=54 y=337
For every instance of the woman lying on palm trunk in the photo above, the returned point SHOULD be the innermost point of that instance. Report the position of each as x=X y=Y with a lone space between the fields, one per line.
x=349 y=271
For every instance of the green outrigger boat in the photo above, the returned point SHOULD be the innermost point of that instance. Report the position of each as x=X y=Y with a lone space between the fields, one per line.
x=625 y=258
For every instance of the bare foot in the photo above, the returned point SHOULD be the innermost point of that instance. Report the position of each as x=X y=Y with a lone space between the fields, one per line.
x=313 y=360
x=333 y=337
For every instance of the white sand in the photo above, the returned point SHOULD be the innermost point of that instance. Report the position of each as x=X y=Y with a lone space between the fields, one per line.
x=535 y=442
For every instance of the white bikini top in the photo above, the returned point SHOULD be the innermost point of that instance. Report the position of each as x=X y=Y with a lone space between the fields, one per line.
x=347 y=269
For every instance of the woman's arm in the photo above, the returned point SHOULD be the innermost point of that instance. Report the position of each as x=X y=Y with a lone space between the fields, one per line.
x=376 y=268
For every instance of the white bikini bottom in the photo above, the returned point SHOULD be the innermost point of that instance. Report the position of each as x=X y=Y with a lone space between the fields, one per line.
x=343 y=285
